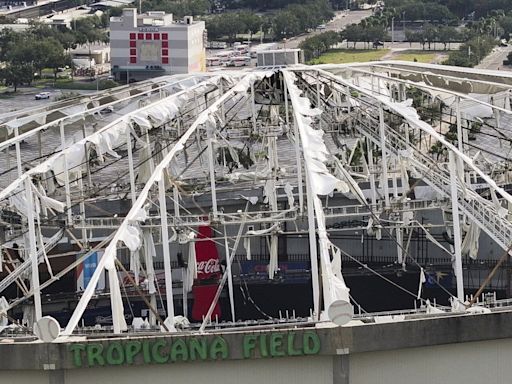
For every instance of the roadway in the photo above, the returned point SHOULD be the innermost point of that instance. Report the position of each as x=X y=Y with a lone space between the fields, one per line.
x=338 y=23
x=495 y=59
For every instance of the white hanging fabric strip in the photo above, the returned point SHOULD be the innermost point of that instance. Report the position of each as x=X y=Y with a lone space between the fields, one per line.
x=321 y=182
x=135 y=265
x=149 y=254
x=273 y=265
x=423 y=280
x=470 y=244
x=247 y=246
x=288 y=189
x=192 y=264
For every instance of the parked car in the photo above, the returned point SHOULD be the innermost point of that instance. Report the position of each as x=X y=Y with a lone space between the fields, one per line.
x=43 y=95
x=239 y=61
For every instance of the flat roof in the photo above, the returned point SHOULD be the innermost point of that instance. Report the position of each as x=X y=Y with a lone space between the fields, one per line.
x=112 y=3
x=280 y=50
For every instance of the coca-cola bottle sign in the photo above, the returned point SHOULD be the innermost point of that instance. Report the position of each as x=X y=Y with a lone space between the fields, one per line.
x=206 y=268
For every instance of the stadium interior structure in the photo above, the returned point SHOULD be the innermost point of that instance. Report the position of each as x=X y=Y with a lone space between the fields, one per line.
x=259 y=167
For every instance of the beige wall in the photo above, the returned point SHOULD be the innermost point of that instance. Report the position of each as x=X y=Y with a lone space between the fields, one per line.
x=310 y=370
x=487 y=362
x=24 y=377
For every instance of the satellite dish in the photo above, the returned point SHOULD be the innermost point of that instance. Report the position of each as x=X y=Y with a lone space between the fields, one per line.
x=4 y=305
x=340 y=312
x=47 y=329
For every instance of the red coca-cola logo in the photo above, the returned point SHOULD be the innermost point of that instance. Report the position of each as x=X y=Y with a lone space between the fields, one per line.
x=208 y=267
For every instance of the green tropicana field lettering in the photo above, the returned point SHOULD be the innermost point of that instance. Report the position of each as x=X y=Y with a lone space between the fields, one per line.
x=162 y=351
x=280 y=344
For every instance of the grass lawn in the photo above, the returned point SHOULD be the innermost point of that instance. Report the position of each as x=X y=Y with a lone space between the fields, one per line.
x=341 y=56
x=420 y=56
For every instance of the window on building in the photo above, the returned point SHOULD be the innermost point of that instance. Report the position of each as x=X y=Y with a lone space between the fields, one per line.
x=156 y=36
x=133 y=52
x=133 y=44
x=165 y=52
x=165 y=44
x=140 y=36
x=133 y=60
x=148 y=36
x=132 y=36
x=165 y=36
x=165 y=60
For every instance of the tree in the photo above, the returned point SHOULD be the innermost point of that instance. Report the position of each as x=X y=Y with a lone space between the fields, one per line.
x=251 y=22
x=430 y=34
x=285 y=24
x=353 y=33
x=446 y=35
x=17 y=74
x=410 y=36
x=316 y=45
x=88 y=31
x=231 y=25
x=8 y=38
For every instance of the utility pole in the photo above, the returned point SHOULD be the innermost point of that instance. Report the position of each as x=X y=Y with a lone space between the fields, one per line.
x=392 y=31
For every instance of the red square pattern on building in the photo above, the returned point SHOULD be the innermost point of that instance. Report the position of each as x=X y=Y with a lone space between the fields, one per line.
x=165 y=36
x=165 y=60
x=165 y=52
x=148 y=36
x=156 y=36
x=133 y=52
x=133 y=60
x=165 y=44
x=132 y=36
x=133 y=44
x=140 y=36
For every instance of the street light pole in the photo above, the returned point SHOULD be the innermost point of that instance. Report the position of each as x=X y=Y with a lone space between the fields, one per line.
x=392 y=31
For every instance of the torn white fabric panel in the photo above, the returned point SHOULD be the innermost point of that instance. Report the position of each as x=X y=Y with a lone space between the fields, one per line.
x=314 y=150
x=48 y=202
x=130 y=236
x=74 y=159
x=247 y=246
x=266 y=231
x=135 y=265
x=17 y=123
x=399 y=245
x=192 y=265
x=74 y=109
x=470 y=244
x=288 y=189
x=149 y=255
x=146 y=164
x=273 y=263
x=423 y=280
x=116 y=302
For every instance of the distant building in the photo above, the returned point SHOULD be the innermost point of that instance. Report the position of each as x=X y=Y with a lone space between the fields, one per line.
x=276 y=57
x=153 y=44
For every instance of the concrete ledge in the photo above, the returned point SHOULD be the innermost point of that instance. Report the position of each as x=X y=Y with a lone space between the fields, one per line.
x=160 y=349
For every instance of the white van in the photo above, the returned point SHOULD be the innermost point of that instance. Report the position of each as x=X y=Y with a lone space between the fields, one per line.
x=239 y=61
x=213 y=61
x=242 y=49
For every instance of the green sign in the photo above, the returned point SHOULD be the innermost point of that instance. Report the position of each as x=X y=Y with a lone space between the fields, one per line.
x=162 y=351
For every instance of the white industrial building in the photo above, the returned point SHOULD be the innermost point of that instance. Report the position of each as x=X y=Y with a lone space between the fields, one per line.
x=153 y=44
